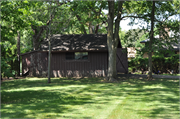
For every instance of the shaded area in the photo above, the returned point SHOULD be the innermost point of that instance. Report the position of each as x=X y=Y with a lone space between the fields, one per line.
x=141 y=76
x=90 y=98
x=158 y=98
x=76 y=42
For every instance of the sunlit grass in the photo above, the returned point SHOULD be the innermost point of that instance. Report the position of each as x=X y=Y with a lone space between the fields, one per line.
x=90 y=98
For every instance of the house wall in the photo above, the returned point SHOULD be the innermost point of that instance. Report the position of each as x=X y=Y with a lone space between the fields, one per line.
x=121 y=61
x=34 y=64
x=131 y=52
x=96 y=65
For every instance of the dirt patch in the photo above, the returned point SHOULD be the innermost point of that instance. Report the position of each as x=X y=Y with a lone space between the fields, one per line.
x=12 y=78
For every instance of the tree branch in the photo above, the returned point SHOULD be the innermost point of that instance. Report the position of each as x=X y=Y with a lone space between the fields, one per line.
x=132 y=17
x=79 y=18
x=117 y=22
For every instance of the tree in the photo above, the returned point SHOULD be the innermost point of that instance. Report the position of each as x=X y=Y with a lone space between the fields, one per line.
x=88 y=16
x=18 y=53
x=158 y=14
x=49 y=43
x=113 y=37
x=150 y=42
x=11 y=22
x=132 y=38
x=159 y=19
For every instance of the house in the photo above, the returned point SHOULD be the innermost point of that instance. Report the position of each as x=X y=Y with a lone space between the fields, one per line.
x=73 y=56
x=173 y=47
x=131 y=52
x=162 y=41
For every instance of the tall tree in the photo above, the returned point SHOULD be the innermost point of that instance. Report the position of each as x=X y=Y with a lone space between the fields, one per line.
x=18 y=53
x=49 y=43
x=89 y=16
x=150 y=42
x=11 y=22
x=159 y=14
x=113 y=38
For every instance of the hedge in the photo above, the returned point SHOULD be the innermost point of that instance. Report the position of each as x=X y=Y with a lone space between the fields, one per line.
x=160 y=64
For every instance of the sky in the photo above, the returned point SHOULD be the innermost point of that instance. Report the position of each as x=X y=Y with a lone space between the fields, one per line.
x=124 y=23
x=125 y=27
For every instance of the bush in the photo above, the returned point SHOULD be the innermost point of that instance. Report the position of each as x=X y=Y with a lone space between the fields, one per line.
x=160 y=64
x=6 y=69
x=138 y=64
x=8 y=59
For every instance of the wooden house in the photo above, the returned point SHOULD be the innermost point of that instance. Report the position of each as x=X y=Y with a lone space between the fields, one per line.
x=83 y=55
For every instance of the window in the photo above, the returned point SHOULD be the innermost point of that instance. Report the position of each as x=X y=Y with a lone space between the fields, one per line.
x=77 y=56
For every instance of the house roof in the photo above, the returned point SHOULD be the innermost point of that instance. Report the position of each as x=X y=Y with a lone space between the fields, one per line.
x=144 y=41
x=76 y=42
x=175 y=46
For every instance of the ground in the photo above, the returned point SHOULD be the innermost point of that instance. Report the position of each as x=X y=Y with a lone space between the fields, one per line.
x=130 y=97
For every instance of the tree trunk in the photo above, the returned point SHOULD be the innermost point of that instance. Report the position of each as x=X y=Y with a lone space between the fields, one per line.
x=90 y=25
x=110 y=39
x=97 y=28
x=150 y=43
x=18 y=54
x=49 y=62
x=82 y=25
x=38 y=31
x=49 y=54
x=116 y=30
x=113 y=39
x=36 y=36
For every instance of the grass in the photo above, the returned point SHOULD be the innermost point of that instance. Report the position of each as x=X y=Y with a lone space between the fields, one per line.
x=160 y=74
x=171 y=74
x=90 y=98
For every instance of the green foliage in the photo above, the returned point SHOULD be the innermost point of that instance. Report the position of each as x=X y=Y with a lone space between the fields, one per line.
x=23 y=15
x=159 y=63
x=138 y=63
x=133 y=37
x=6 y=68
x=8 y=59
x=166 y=15
x=88 y=14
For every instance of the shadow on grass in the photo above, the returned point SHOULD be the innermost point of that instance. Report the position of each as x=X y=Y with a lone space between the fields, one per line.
x=39 y=101
x=161 y=94
x=25 y=98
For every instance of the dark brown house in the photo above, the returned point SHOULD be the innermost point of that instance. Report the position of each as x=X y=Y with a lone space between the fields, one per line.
x=73 y=56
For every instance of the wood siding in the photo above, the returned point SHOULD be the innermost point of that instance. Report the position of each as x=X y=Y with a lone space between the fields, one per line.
x=121 y=61
x=96 y=65
x=35 y=64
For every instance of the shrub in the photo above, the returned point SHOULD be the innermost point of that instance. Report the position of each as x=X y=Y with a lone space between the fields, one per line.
x=159 y=63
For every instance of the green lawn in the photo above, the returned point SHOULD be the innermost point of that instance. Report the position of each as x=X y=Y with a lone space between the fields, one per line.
x=160 y=74
x=90 y=98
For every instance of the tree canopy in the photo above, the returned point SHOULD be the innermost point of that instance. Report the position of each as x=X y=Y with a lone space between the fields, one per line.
x=31 y=19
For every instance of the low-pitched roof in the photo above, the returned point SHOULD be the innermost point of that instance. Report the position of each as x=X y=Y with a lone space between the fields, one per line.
x=175 y=46
x=76 y=42
x=144 y=41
